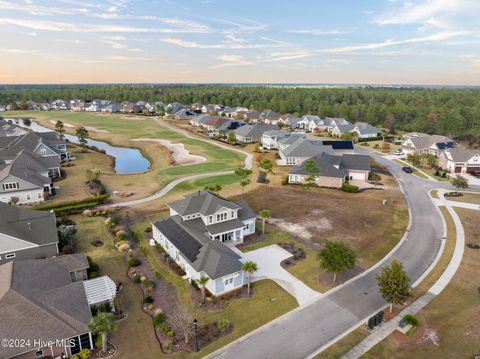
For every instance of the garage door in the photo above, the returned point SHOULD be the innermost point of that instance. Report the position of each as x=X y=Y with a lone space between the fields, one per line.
x=473 y=169
x=458 y=169
x=357 y=175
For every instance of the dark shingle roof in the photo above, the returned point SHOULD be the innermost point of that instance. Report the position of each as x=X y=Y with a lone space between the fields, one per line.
x=38 y=227
x=39 y=301
x=335 y=166
x=203 y=202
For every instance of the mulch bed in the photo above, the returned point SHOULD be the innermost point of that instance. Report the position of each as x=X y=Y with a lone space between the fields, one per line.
x=209 y=333
x=97 y=353
x=218 y=303
x=297 y=252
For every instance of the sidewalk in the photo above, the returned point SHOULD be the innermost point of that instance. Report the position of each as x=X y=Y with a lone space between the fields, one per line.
x=385 y=330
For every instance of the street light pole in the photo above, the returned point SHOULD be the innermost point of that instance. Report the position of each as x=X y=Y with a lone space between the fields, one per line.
x=195 y=323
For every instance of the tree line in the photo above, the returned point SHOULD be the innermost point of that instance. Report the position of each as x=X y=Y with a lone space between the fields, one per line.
x=452 y=112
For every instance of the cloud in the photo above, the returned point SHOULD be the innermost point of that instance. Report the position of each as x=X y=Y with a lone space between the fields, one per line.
x=431 y=13
x=231 y=43
x=232 y=60
x=387 y=43
x=87 y=28
x=318 y=32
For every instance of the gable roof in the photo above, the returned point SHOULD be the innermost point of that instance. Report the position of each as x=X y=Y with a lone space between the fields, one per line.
x=305 y=147
x=461 y=154
x=38 y=300
x=366 y=128
x=204 y=254
x=441 y=142
x=334 y=166
x=254 y=131
x=203 y=202
x=38 y=227
x=26 y=166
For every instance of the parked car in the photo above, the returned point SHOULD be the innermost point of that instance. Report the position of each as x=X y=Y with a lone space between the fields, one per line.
x=407 y=169
x=399 y=152
x=476 y=174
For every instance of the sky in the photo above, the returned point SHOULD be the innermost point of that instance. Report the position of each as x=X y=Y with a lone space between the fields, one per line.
x=255 y=41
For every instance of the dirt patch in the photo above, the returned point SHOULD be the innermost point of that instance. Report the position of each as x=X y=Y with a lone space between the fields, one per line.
x=97 y=243
x=180 y=155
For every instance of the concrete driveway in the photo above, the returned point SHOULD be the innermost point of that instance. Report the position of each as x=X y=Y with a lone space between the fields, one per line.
x=268 y=260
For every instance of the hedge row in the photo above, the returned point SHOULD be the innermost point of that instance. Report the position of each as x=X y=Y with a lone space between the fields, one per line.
x=66 y=207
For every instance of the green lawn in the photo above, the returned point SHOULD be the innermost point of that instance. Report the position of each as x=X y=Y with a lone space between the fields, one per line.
x=467 y=198
x=200 y=183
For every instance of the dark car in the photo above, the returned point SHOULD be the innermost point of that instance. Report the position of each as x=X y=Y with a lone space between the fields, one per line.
x=476 y=174
x=407 y=169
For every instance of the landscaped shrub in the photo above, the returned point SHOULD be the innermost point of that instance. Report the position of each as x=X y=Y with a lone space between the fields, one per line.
x=148 y=230
x=158 y=319
x=136 y=279
x=134 y=262
x=85 y=354
x=223 y=324
x=411 y=319
x=350 y=188
x=74 y=206
x=93 y=268
x=284 y=180
x=170 y=333
x=164 y=327
x=160 y=248
x=158 y=274
x=148 y=299
x=124 y=247
x=149 y=284
x=167 y=344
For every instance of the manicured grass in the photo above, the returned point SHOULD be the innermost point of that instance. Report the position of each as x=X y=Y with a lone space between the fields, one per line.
x=451 y=316
x=200 y=183
x=73 y=186
x=467 y=198
x=122 y=130
x=343 y=345
x=434 y=193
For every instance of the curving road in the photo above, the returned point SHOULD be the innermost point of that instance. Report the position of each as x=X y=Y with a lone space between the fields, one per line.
x=248 y=164
x=307 y=330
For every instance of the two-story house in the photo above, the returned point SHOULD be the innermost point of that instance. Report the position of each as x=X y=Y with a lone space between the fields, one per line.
x=197 y=235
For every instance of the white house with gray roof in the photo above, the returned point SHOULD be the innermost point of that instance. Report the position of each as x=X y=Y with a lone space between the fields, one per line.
x=197 y=236
x=422 y=143
x=365 y=130
x=270 y=138
x=460 y=160
x=25 y=177
x=253 y=133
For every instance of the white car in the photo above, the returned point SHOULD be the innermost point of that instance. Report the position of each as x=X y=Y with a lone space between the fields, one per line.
x=399 y=152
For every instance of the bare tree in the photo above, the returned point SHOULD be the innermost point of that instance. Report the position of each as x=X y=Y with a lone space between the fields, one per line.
x=184 y=318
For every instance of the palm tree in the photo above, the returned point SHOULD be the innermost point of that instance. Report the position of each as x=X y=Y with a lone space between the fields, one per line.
x=202 y=281
x=265 y=214
x=249 y=267
x=244 y=182
x=102 y=323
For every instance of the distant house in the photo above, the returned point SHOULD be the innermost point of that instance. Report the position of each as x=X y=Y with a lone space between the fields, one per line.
x=211 y=109
x=460 y=160
x=339 y=130
x=49 y=300
x=184 y=114
x=200 y=120
x=297 y=149
x=252 y=116
x=3 y=108
x=290 y=121
x=365 y=130
x=300 y=150
x=112 y=108
x=60 y=105
x=253 y=133
x=309 y=122
x=196 y=236
x=334 y=170
x=427 y=144
x=270 y=138
x=270 y=117
x=26 y=234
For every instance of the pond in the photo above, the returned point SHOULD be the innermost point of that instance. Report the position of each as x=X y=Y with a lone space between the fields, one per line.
x=127 y=160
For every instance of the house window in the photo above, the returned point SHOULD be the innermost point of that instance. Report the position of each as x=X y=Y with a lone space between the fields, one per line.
x=233 y=214
x=39 y=195
x=85 y=341
x=210 y=219
x=28 y=197
x=10 y=185
x=10 y=256
x=43 y=151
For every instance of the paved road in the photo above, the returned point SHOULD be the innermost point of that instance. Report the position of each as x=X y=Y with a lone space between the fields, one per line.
x=302 y=332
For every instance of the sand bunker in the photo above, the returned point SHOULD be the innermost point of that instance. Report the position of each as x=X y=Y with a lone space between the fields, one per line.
x=302 y=229
x=180 y=155
x=64 y=124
